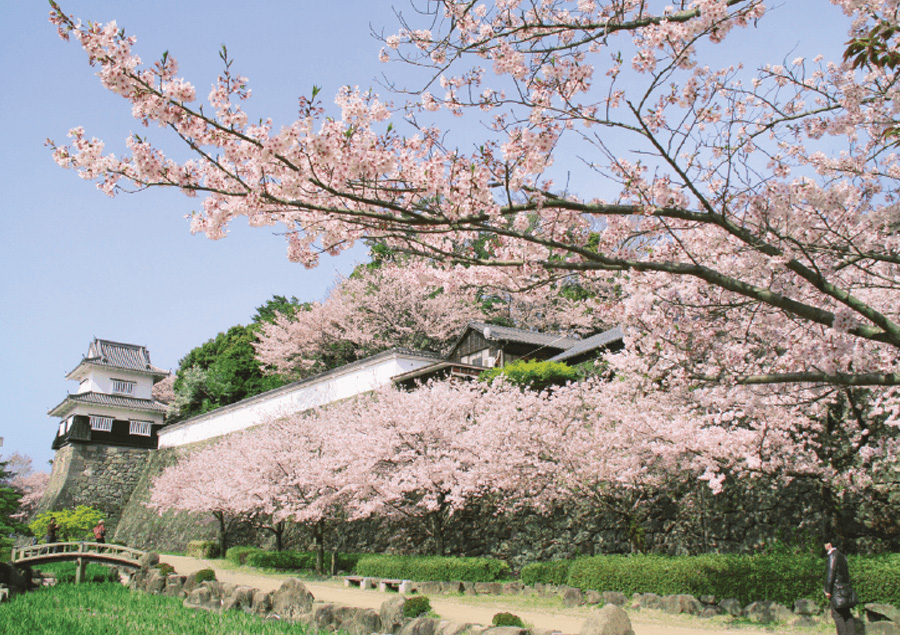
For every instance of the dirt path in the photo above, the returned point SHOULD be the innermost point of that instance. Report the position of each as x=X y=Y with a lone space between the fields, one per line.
x=462 y=609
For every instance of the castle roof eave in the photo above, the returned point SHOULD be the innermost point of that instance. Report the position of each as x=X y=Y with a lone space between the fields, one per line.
x=68 y=404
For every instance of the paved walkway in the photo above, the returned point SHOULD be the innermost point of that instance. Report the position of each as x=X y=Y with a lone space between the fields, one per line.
x=462 y=609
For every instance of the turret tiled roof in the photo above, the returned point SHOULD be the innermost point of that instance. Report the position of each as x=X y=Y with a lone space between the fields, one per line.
x=103 y=399
x=123 y=356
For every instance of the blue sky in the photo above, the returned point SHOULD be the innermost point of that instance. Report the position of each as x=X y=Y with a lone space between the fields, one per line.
x=76 y=264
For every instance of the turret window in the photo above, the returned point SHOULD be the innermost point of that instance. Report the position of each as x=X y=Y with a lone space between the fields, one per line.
x=140 y=427
x=102 y=424
x=123 y=386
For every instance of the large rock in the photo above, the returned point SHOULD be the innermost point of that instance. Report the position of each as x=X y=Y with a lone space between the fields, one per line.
x=731 y=606
x=806 y=607
x=16 y=577
x=292 y=600
x=357 y=621
x=614 y=597
x=420 y=626
x=262 y=602
x=881 y=612
x=154 y=581
x=488 y=588
x=454 y=586
x=203 y=598
x=446 y=627
x=651 y=601
x=682 y=603
x=239 y=599
x=767 y=612
x=609 y=620
x=572 y=598
x=323 y=616
x=149 y=559
x=506 y=630
x=429 y=588
x=881 y=628
x=175 y=586
x=391 y=614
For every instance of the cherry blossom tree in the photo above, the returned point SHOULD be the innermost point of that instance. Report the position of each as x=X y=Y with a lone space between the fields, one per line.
x=202 y=482
x=29 y=483
x=373 y=310
x=763 y=197
x=420 y=457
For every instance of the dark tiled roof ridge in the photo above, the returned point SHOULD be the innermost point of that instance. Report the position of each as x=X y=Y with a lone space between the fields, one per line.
x=104 y=399
x=558 y=339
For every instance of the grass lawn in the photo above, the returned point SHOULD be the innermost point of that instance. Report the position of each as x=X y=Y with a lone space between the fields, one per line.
x=108 y=608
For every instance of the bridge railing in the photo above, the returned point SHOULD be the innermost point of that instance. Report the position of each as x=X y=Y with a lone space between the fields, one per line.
x=71 y=550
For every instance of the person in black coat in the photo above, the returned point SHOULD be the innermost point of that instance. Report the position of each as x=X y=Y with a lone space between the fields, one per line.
x=837 y=572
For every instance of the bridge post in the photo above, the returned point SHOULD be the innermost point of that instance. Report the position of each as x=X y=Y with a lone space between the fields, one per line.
x=80 y=564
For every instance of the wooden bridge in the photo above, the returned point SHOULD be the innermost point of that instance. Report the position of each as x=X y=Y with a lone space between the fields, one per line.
x=81 y=553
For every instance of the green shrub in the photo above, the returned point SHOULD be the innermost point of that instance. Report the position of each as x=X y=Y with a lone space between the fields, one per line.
x=555 y=572
x=281 y=560
x=778 y=577
x=415 y=606
x=507 y=619
x=533 y=374
x=203 y=549
x=74 y=524
x=165 y=568
x=432 y=568
x=204 y=575
x=291 y=560
x=238 y=555
x=876 y=578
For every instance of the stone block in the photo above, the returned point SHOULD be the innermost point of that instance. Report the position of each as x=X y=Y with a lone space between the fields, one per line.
x=614 y=597
x=609 y=620
x=876 y=612
x=292 y=600
x=572 y=597
x=806 y=607
x=239 y=599
x=429 y=588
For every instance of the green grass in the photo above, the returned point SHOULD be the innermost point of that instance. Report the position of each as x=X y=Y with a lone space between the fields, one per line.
x=110 y=609
x=64 y=572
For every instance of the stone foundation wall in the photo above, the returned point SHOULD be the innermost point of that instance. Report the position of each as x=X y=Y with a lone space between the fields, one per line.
x=99 y=476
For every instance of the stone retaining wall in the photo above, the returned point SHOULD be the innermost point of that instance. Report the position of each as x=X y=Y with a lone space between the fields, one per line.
x=102 y=477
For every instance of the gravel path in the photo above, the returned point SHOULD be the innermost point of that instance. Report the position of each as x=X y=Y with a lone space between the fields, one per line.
x=462 y=609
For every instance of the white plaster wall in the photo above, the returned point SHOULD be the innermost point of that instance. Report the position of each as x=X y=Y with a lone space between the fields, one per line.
x=116 y=413
x=354 y=379
x=101 y=381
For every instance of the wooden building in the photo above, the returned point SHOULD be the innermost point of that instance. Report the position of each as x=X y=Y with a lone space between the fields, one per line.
x=482 y=346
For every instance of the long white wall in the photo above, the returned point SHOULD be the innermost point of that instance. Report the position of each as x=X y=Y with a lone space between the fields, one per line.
x=341 y=383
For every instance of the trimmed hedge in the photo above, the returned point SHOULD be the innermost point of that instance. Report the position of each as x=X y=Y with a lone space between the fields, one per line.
x=292 y=560
x=433 y=568
x=238 y=555
x=202 y=549
x=554 y=572
x=778 y=578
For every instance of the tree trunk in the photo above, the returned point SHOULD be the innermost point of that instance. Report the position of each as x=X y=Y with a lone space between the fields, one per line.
x=278 y=530
x=223 y=531
x=318 y=531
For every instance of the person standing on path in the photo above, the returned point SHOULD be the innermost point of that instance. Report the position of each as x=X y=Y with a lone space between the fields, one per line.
x=837 y=574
